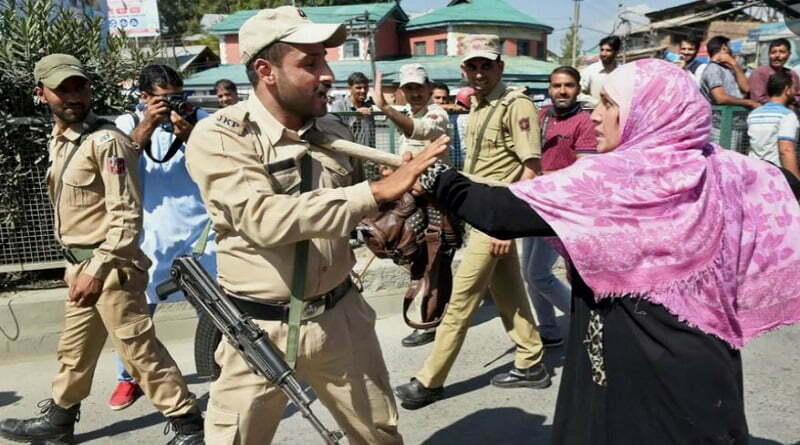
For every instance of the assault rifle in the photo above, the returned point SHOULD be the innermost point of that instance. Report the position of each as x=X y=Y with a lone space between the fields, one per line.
x=251 y=342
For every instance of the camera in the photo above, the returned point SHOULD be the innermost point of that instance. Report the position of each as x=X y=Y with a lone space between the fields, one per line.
x=179 y=104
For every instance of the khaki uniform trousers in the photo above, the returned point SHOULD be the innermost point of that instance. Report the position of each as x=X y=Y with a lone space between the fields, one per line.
x=121 y=311
x=338 y=356
x=477 y=271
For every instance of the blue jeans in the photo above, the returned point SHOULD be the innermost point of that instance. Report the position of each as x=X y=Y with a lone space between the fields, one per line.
x=545 y=289
x=122 y=374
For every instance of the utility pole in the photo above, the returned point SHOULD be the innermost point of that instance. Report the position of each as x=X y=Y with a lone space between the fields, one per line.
x=576 y=20
x=370 y=41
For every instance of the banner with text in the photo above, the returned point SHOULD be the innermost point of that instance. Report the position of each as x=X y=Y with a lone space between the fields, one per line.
x=139 y=18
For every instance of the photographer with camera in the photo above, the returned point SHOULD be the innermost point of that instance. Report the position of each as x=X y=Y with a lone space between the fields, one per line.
x=174 y=215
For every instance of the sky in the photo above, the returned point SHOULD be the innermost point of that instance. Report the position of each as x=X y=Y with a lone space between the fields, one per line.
x=597 y=16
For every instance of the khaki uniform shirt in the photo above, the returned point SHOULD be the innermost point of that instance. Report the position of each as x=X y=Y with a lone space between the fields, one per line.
x=510 y=139
x=430 y=122
x=100 y=199
x=246 y=165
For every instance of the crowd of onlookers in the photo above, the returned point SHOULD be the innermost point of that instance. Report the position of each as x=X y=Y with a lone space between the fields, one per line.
x=769 y=131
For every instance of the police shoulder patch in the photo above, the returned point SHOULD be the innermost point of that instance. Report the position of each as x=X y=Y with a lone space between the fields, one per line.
x=231 y=119
x=103 y=137
x=115 y=165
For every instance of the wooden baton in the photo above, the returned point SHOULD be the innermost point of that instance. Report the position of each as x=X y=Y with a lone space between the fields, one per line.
x=366 y=153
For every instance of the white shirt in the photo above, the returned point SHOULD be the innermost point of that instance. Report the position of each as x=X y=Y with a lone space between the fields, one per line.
x=593 y=77
x=768 y=124
x=430 y=122
x=174 y=214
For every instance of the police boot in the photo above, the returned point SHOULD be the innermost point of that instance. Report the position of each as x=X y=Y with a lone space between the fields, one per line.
x=188 y=429
x=55 y=426
x=534 y=377
x=415 y=395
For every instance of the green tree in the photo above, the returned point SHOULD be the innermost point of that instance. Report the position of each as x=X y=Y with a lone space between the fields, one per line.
x=30 y=30
x=566 y=46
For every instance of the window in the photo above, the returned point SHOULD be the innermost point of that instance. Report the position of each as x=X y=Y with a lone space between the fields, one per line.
x=420 y=48
x=440 y=47
x=350 y=49
x=523 y=47
x=502 y=45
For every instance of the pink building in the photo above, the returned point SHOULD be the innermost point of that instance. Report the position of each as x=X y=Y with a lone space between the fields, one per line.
x=437 y=33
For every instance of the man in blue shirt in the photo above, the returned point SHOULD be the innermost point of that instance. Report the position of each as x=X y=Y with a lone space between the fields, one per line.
x=174 y=215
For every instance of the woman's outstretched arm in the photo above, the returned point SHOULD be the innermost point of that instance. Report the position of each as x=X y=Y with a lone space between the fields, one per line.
x=492 y=210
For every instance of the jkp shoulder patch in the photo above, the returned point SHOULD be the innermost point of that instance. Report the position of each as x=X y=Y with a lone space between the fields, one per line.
x=115 y=165
x=226 y=121
x=232 y=120
x=524 y=124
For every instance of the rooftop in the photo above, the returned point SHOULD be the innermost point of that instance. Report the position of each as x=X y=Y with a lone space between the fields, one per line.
x=317 y=14
x=460 y=12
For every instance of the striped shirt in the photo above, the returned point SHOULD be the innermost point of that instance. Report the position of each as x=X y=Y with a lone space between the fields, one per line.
x=768 y=124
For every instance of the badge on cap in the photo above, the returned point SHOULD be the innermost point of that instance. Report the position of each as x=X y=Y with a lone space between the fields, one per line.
x=116 y=165
x=524 y=124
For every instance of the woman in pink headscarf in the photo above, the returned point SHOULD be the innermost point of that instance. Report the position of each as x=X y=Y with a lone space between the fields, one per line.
x=679 y=252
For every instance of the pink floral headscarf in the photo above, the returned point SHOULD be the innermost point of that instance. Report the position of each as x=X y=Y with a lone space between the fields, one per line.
x=710 y=234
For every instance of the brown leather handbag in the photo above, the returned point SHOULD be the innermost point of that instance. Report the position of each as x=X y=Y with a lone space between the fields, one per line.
x=415 y=232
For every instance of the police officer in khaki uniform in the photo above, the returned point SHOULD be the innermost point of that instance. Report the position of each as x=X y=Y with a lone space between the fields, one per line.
x=282 y=209
x=503 y=145
x=94 y=187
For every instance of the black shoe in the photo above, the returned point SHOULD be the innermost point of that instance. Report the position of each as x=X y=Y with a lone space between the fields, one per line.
x=419 y=337
x=548 y=343
x=188 y=429
x=534 y=377
x=56 y=425
x=414 y=395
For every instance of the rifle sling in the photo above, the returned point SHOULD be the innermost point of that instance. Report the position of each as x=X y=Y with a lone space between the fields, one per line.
x=299 y=275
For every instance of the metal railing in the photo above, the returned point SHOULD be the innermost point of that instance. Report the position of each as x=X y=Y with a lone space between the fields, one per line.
x=729 y=127
x=32 y=246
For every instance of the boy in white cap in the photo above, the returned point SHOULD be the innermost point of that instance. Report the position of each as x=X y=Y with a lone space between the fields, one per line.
x=420 y=123
x=423 y=121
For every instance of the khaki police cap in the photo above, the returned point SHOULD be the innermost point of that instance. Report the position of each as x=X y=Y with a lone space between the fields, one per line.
x=413 y=73
x=486 y=46
x=54 y=69
x=286 y=24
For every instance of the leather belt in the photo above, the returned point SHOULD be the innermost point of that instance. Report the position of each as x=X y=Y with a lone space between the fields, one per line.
x=312 y=308
x=79 y=254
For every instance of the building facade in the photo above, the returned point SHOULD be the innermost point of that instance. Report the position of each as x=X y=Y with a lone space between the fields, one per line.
x=434 y=39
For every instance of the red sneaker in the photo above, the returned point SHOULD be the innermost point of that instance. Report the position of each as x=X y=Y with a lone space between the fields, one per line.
x=124 y=395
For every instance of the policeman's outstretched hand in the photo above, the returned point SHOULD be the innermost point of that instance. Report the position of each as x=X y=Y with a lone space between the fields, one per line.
x=405 y=177
x=85 y=290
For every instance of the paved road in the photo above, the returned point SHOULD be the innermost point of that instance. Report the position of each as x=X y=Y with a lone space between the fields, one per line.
x=473 y=413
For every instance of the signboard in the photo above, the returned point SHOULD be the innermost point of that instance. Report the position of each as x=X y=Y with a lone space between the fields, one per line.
x=139 y=18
